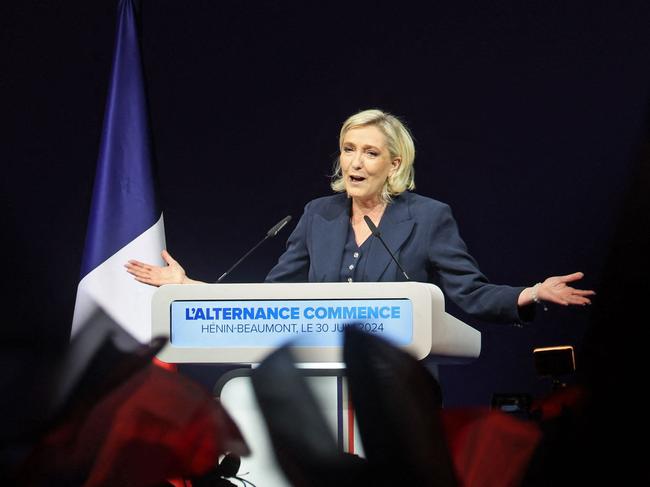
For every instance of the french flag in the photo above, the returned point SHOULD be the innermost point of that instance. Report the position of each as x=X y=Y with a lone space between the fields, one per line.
x=125 y=221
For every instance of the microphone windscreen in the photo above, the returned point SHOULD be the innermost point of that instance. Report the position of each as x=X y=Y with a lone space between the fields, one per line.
x=275 y=229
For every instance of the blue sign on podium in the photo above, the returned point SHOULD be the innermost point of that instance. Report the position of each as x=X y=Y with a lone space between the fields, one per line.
x=242 y=323
x=271 y=323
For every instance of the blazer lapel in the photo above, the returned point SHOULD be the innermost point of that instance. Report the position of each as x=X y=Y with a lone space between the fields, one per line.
x=395 y=227
x=328 y=241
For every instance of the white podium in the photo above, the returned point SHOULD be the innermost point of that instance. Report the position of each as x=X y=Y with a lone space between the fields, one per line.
x=243 y=323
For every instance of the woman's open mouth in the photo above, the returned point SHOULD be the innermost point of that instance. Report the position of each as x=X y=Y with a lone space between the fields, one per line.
x=356 y=179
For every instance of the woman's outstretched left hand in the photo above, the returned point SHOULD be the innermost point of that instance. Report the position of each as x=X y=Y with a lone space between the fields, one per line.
x=556 y=290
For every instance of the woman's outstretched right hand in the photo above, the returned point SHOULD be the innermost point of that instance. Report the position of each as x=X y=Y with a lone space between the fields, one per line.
x=172 y=273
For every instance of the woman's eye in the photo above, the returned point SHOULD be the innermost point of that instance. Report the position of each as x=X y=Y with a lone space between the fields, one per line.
x=347 y=149
x=372 y=153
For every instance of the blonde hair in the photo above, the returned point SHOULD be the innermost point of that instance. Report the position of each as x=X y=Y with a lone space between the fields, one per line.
x=400 y=145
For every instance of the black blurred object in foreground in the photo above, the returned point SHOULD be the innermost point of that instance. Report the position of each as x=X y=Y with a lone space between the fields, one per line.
x=396 y=401
x=304 y=445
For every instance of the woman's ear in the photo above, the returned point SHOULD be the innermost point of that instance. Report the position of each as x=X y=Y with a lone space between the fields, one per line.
x=395 y=163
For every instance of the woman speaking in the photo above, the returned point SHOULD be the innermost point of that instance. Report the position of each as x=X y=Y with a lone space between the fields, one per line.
x=374 y=178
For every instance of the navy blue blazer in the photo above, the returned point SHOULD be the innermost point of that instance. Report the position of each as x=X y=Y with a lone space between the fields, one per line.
x=422 y=234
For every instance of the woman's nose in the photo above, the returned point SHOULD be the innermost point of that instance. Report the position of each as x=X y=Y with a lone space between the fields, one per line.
x=357 y=160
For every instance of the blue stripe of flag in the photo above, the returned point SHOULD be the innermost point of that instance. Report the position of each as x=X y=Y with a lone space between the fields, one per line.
x=124 y=203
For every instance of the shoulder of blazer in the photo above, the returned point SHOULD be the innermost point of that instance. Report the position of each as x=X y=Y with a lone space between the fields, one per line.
x=420 y=208
x=328 y=207
x=418 y=203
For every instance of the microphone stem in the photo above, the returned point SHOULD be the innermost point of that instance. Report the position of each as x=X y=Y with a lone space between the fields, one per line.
x=393 y=256
x=243 y=257
x=375 y=231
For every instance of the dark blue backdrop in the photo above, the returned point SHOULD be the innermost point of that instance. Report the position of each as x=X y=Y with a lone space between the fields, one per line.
x=527 y=119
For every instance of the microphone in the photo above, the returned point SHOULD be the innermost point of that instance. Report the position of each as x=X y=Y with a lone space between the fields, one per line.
x=273 y=231
x=375 y=231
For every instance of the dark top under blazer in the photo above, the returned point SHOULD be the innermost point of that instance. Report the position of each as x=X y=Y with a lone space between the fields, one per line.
x=422 y=234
